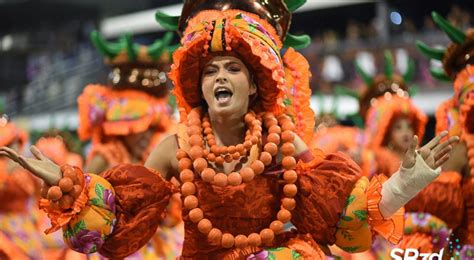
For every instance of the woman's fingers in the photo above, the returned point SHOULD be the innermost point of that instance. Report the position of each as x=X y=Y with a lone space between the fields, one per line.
x=441 y=161
x=435 y=141
x=439 y=154
x=410 y=155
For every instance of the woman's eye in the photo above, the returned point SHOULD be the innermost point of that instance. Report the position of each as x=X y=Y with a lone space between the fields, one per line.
x=234 y=68
x=209 y=71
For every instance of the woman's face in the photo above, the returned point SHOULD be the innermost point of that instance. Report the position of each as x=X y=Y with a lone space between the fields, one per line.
x=138 y=143
x=226 y=86
x=401 y=134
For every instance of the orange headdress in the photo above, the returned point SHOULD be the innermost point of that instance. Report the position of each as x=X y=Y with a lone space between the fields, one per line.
x=9 y=133
x=254 y=31
x=136 y=99
x=386 y=109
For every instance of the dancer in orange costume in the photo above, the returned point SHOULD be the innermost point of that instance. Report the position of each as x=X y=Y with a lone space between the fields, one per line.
x=19 y=233
x=245 y=170
x=128 y=118
x=457 y=115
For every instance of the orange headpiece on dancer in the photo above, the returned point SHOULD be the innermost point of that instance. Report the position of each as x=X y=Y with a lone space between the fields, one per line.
x=382 y=113
x=250 y=31
x=9 y=133
x=136 y=99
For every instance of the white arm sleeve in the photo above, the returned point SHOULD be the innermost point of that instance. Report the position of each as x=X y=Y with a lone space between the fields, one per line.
x=404 y=185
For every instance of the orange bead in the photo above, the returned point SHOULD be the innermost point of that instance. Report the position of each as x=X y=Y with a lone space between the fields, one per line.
x=254 y=240
x=206 y=123
x=195 y=139
x=273 y=138
x=247 y=145
x=215 y=236
x=277 y=227
x=54 y=193
x=241 y=241
x=71 y=174
x=234 y=179
x=184 y=163
x=288 y=162
x=215 y=149
x=208 y=175
x=240 y=148
x=287 y=136
x=231 y=149
x=267 y=235
x=228 y=158
x=270 y=122
x=205 y=152
x=290 y=176
x=254 y=140
x=284 y=215
x=188 y=188
x=193 y=130
x=195 y=152
x=207 y=130
x=195 y=215
x=290 y=190
x=271 y=148
x=288 y=203
x=76 y=191
x=223 y=149
x=200 y=164
x=266 y=158
x=274 y=130
x=258 y=167
x=220 y=179
x=180 y=154
x=66 y=202
x=288 y=149
x=227 y=240
x=190 y=202
x=235 y=156
x=249 y=118
x=288 y=126
x=219 y=161
x=211 y=157
x=211 y=142
x=204 y=226
x=247 y=174
x=186 y=175
x=65 y=184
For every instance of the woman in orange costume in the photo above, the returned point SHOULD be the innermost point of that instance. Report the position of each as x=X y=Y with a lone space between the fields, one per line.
x=457 y=115
x=19 y=233
x=244 y=170
x=127 y=119
x=53 y=146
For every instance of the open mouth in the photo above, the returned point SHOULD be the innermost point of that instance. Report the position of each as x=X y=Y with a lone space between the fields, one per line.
x=222 y=95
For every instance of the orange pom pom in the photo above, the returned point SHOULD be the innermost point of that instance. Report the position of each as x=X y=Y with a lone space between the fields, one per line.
x=65 y=202
x=54 y=193
x=66 y=184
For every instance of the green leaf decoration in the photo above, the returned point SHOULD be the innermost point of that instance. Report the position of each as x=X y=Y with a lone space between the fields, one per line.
x=347 y=218
x=78 y=227
x=297 y=41
x=361 y=214
x=293 y=5
x=295 y=255
x=96 y=202
x=167 y=21
x=439 y=74
x=453 y=33
x=287 y=102
x=350 y=199
x=68 y=233
x=99 y=191
x=346 y=235
x=271 y=256
x=433 y=53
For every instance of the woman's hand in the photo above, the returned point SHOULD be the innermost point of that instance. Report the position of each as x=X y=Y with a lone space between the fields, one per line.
x=41 y=167
x=433 y=153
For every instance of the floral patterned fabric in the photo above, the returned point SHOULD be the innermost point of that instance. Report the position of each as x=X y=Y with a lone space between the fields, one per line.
x=86 y=232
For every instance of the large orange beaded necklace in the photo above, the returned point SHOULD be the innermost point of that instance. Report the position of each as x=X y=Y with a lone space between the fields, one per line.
x=198 y=162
